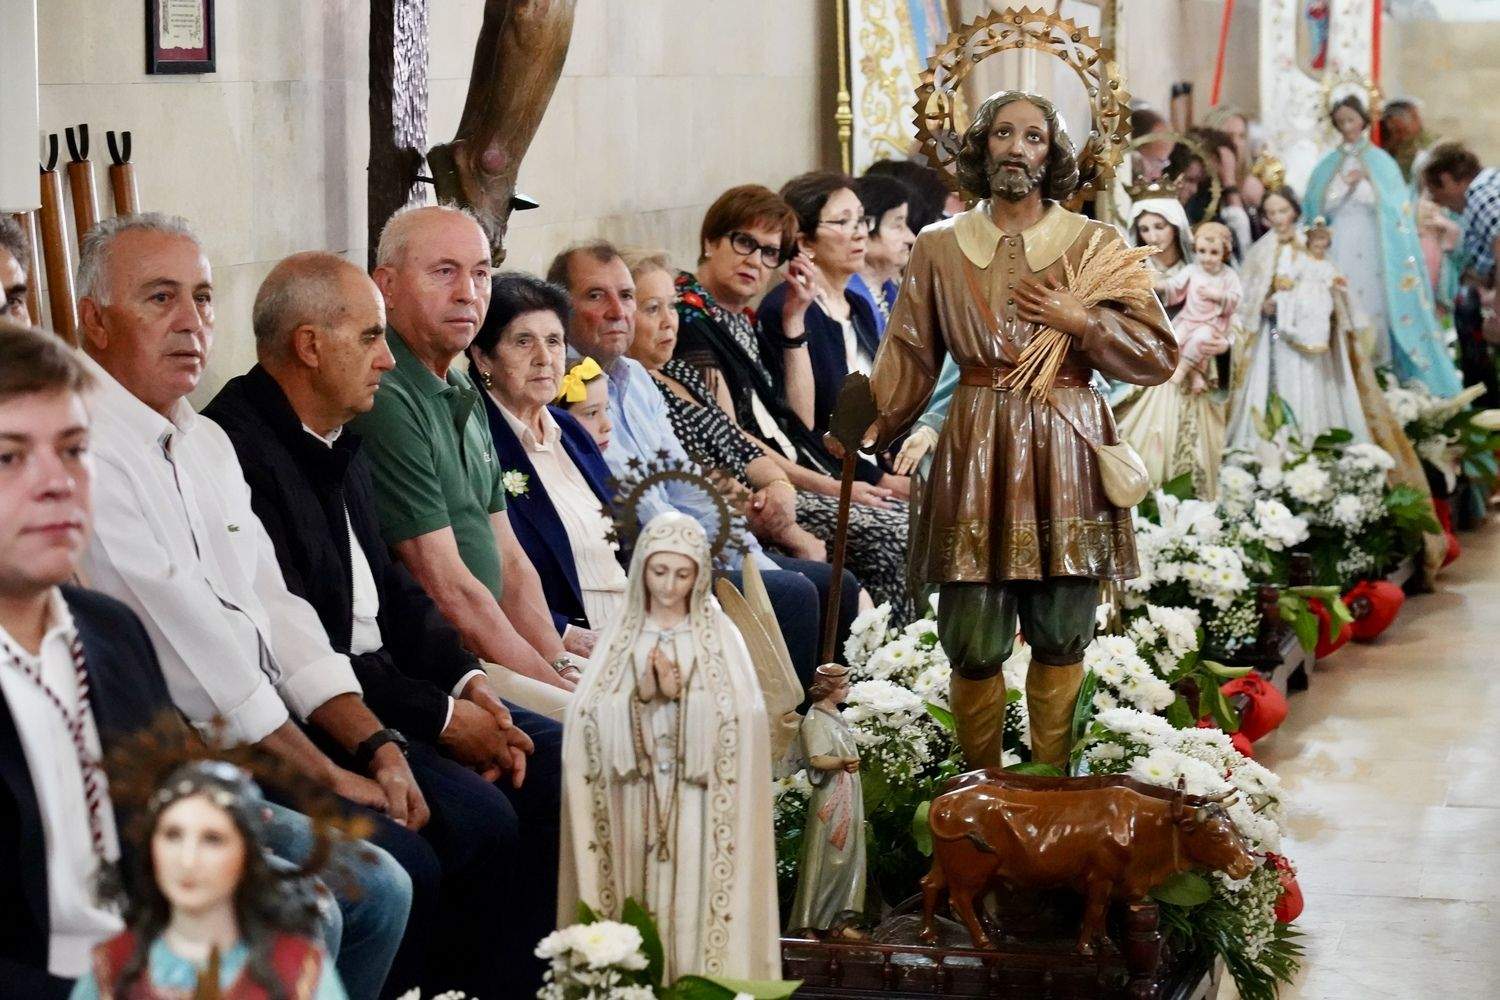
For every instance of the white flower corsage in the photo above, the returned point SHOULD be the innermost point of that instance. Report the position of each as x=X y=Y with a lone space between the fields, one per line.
x=516 y=483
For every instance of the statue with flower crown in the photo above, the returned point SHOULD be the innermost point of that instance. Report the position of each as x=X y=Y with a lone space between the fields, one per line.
x=206 y=914
x=667 y=773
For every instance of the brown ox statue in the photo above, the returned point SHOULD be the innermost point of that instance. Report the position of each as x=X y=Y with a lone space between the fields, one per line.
x=1106 y=837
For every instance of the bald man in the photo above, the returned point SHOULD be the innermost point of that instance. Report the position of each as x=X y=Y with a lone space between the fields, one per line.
x=490 y=772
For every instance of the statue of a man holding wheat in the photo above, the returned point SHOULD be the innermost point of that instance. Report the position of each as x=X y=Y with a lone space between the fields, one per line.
x=1029 y=299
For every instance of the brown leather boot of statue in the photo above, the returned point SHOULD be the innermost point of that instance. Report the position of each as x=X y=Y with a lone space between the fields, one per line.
x=1051 y=693
x=979 y=716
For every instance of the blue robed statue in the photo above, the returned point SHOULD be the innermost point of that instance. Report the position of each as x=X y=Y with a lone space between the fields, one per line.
x=1359 y=190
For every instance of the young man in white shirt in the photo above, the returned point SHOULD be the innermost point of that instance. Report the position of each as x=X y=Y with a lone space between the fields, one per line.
x=176 y=540
x=69 y=654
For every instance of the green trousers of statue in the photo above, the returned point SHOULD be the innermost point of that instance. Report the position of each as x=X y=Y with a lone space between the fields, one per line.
x=977 y=627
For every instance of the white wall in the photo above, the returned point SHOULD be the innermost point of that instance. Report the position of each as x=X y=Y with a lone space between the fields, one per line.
x=663 y=104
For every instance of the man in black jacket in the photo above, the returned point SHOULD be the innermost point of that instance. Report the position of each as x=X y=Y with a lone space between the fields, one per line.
x=320 y=337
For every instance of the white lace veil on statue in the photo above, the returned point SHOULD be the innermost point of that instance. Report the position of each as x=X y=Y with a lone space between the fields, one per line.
x=1170 y=209
x=668 y=532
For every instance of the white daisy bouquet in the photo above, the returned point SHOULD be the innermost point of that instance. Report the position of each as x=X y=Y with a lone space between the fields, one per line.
x=597 y=959
x=1188 y=560
x=1357 y=524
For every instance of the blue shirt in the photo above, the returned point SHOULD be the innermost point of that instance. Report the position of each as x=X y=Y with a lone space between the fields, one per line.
x=1481 y=222
x=888 y=291
x=643 y=431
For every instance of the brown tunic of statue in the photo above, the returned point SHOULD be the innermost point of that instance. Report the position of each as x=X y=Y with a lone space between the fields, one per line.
x=1016 y=522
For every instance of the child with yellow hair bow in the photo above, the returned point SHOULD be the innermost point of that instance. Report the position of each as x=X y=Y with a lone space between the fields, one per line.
x=586 y=396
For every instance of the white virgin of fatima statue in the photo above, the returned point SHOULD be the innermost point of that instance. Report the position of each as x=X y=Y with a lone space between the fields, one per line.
x=1293 y=336
x=666 y=776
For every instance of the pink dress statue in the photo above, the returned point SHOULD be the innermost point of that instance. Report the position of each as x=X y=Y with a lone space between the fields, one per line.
x=1202 y=326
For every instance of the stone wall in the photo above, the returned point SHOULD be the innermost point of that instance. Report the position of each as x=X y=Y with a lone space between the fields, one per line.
x=663 y=103
x=1451 y=67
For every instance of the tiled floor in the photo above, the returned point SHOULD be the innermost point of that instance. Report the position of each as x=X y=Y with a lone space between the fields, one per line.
x=1392 y=763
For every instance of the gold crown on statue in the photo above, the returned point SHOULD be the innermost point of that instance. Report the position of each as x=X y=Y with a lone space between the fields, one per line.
x=1166 y=185
x=940 y=101
x=1350 y=82
x=1270 y=171
x=1162 y=187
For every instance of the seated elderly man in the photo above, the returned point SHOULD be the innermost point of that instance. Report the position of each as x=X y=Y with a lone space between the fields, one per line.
x=320 y=339
x=602 y=327
x=563 y=515
x=177 y=541
x=438 y=491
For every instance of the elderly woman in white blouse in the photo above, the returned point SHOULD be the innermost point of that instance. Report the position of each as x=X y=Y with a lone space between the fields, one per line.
x=555 y=477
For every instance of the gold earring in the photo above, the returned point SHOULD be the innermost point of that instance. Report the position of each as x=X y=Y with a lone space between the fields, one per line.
x=484 y=376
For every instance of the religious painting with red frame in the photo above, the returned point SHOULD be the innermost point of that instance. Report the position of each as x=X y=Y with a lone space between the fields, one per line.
x=180 y=36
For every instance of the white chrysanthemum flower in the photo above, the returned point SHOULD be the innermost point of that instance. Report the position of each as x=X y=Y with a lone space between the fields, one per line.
x=1308 y=482
x=1370 y=455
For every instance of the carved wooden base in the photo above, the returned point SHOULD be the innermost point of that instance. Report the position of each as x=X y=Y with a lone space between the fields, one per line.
x=1035 y=958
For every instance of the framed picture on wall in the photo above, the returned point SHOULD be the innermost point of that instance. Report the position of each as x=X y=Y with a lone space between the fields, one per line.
x=179 y=36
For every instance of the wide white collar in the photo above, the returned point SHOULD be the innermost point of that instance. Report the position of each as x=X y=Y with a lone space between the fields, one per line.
x=1044 y=242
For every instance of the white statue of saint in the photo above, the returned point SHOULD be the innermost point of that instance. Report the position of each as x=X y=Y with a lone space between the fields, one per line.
x=667 y=794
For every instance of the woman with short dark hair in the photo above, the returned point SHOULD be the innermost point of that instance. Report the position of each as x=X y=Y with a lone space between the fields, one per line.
x=555 y=476
x=888 y=203
x=840 y=329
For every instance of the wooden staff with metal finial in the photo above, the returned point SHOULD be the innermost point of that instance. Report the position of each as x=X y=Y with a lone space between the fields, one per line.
x=852 y=416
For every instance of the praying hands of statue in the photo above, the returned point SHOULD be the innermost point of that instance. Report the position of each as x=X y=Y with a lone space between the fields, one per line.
x=1050 y=304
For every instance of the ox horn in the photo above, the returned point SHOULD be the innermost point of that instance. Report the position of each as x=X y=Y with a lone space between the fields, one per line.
x=1227 y=793
x=1177 y=807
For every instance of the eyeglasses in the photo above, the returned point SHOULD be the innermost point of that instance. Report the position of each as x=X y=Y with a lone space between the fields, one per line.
x=746 y=246
x=853 y=224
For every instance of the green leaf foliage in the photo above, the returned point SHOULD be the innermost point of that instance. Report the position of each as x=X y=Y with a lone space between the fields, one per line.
x=1180 y=487
x=634 y=914
x=921 y=831
x=1180 y=714
x=1220 y=708
x=1037 y=768
x=1187 y=889
x=943 y=716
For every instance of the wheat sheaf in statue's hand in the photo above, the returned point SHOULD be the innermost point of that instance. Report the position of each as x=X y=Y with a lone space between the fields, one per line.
x=1050 y=304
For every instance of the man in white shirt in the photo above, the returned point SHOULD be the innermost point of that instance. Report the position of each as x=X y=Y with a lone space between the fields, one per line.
x=176 y=539
x=73 y=655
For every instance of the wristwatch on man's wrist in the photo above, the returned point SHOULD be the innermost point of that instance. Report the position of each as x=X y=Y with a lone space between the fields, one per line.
x=365 y=752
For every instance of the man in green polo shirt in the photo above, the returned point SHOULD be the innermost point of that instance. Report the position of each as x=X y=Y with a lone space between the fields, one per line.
x=437 y=480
